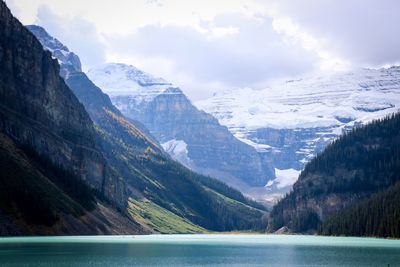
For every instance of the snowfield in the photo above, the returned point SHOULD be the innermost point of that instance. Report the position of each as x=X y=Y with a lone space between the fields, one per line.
x=294 y=120
x=325 y=101
x=117 y=79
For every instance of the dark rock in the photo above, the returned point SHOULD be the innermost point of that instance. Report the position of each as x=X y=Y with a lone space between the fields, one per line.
x=38 y=109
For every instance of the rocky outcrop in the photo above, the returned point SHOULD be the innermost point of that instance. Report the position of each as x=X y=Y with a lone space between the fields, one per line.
x=38 y=109
x=169 y=115
x=210 y=145
x=292 y=148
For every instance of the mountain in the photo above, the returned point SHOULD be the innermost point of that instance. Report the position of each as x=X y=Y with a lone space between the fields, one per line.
x=53 y=170
x=348 y=188
x=192 y=137
x=292 y=121
x=163 y=195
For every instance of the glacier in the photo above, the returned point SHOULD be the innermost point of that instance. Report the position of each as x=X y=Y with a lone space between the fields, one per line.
x=293 y=120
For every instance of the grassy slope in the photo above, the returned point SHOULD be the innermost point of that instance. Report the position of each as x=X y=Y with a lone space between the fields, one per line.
x=159 y=219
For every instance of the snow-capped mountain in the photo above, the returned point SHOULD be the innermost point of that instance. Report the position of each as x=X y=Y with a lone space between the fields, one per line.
x=125 y=80
x=192 y=137
x=292 y=121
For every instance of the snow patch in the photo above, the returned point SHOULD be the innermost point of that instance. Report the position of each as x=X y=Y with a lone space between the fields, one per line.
x=177 y=149
x=259 y=147
x=284 y=178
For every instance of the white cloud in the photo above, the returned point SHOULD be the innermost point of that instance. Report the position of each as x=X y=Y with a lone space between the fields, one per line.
x=250 y=55
x=205 y=46
x=363 y=32
x=124 y=16
x=295 y=34
x=13 y=7
x=77 y=33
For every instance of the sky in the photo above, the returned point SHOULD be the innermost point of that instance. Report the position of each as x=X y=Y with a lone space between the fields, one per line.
x=207 y=46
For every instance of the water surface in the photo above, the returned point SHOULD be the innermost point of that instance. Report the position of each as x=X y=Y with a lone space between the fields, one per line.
x=199 y=250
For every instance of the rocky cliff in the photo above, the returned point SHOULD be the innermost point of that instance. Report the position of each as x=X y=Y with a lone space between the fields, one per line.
x=55 y=179
x=38 y=109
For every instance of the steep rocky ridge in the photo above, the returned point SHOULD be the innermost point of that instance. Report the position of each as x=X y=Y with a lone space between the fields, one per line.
x=54 y=177
x=38 y=109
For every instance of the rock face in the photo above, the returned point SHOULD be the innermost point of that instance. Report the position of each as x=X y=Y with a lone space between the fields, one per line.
x=291 y=122
x=53 y=175
x=172 y=118
x=66 y=58
x=38 y=109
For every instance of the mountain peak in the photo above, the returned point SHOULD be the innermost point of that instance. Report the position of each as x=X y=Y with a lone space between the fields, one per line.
x=57 y=49
x=132 y=73
x=118 y=79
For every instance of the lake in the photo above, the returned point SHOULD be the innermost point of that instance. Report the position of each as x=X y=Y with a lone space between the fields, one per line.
x=199 y=250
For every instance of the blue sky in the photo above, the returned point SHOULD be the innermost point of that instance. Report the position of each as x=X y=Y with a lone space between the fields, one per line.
x=206 y=46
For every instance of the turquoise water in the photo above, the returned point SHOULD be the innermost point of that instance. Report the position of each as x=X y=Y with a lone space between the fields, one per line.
x=199 y=250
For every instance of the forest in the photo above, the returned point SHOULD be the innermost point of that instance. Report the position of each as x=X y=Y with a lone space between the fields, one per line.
x=353 y=168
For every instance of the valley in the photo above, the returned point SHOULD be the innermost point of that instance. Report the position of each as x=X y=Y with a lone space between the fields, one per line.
x=94 y=147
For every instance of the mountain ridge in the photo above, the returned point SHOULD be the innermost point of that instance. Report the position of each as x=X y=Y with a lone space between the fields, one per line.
x=170 y=115
x=54 y=177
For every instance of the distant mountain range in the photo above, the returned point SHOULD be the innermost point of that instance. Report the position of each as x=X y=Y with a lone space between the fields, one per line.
x=189 y=135
x=287 y=124
x=291 y=122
